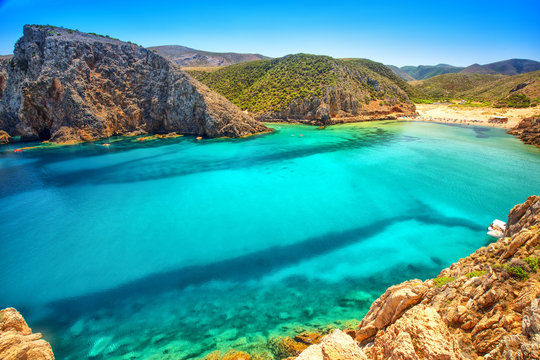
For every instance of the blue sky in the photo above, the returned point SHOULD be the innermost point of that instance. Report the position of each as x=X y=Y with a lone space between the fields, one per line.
x=393 y=32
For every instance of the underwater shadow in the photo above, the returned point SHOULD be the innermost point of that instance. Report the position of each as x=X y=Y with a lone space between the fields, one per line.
x=249 y=266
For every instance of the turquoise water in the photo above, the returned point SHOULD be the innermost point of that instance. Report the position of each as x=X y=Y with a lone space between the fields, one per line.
x=173 y=248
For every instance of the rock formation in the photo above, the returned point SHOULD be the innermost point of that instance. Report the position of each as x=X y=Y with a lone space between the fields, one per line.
x=17 y=341
x=528 y=130
x=71 y=86
x=486 y=305
x=4 y=137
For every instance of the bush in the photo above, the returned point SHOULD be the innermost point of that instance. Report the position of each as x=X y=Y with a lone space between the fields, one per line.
x=443 y=280
x=518 y=269
x=475 y=274
x=533 y=263
x=515 y=101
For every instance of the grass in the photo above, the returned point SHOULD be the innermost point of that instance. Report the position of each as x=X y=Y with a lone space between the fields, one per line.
x=533 y=263
x=443 y=280
x=475 y=274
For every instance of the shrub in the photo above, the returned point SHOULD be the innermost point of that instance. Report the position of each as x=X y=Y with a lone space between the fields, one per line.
x=518 y=269
x=515 y=101
x=533 y=263
x=443 y=280
x=475 y=274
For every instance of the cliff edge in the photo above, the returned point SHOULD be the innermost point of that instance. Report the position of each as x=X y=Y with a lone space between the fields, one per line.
x=69 y=86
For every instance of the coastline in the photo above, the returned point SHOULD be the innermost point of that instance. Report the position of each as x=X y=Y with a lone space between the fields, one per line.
x=477 y=116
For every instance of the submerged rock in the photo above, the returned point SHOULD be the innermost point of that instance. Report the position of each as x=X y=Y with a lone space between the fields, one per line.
x=69 y=86
x=17 y=341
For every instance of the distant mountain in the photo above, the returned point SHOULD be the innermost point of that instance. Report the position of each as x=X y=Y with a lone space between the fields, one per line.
x=311 y=88
x=422 y=72
x=188 y=57
x=402 y=74
x=506 y=67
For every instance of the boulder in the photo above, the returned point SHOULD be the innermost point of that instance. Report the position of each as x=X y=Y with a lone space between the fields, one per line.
x=17 y=341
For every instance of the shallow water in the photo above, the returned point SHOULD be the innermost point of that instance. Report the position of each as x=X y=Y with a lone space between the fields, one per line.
x=175 y=247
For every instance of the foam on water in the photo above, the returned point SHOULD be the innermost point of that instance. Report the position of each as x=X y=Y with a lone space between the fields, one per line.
x=174 y=247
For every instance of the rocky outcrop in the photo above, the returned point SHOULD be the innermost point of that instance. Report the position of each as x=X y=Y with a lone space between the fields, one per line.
x=528 y=130
x=17 y=341
x=484 y=306
x=4 y=137
x=88 y=86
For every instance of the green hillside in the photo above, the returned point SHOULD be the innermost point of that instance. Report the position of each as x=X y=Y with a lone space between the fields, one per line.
x=422 y=72
x=498 y=90
x=273 y=85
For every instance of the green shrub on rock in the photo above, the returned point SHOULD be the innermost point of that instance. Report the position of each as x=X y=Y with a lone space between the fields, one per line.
x=443 y=280
x=475 y=274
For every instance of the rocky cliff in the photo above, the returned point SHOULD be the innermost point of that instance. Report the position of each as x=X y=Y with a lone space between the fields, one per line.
x=17 y=341
x=485 y=306
x=67 y=86
x=528 y=130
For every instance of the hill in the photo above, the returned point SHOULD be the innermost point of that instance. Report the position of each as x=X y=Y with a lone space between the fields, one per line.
x=500 y=90
x=311 y=88
x=402 y=74
x=426 y=71
x=506 y=67
x=184 y=56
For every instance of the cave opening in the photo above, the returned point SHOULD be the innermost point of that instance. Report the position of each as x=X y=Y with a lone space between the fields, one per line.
x=44 y=134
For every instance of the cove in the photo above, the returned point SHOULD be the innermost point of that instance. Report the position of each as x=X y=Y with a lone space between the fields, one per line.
x=176 y=247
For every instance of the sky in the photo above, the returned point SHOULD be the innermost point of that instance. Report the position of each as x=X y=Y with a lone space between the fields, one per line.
x=400 y=33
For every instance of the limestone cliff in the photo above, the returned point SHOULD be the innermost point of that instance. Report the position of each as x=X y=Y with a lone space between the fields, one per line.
x=528 y=130
x=17 y=341
x=72 y=86
x=485 y=306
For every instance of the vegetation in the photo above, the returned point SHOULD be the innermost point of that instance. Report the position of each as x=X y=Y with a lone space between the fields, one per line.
x=440 y=281
x=533 y=263
x=517 y=271
x=272 y=85
x=475 y=274
x=499 y=90
x=427 y=71
x=515 y=101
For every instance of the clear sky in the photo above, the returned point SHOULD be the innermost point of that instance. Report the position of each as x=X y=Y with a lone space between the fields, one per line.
x=393 y=32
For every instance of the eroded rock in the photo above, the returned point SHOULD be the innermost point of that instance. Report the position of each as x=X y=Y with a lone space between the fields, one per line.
x=17 y=341
x=71 y=86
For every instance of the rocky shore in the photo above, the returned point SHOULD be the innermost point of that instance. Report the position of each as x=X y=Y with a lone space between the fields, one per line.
x=485 y=306
x=528 y=130
x=67 y=86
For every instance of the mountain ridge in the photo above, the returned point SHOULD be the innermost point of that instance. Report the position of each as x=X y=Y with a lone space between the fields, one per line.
x=189 y=57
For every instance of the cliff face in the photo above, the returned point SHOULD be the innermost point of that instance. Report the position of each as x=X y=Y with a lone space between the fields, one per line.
x=89 y=87
x=486 y=305
x=528 y=130
x=17 y=341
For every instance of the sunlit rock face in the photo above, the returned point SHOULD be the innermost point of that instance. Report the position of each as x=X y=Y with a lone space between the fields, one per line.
x=98 y=86
x=17 y=341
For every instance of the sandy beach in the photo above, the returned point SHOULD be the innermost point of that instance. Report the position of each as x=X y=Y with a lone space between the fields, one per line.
x=472 y=115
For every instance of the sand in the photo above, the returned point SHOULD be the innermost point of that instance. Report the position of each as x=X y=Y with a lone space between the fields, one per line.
x=472 y=115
